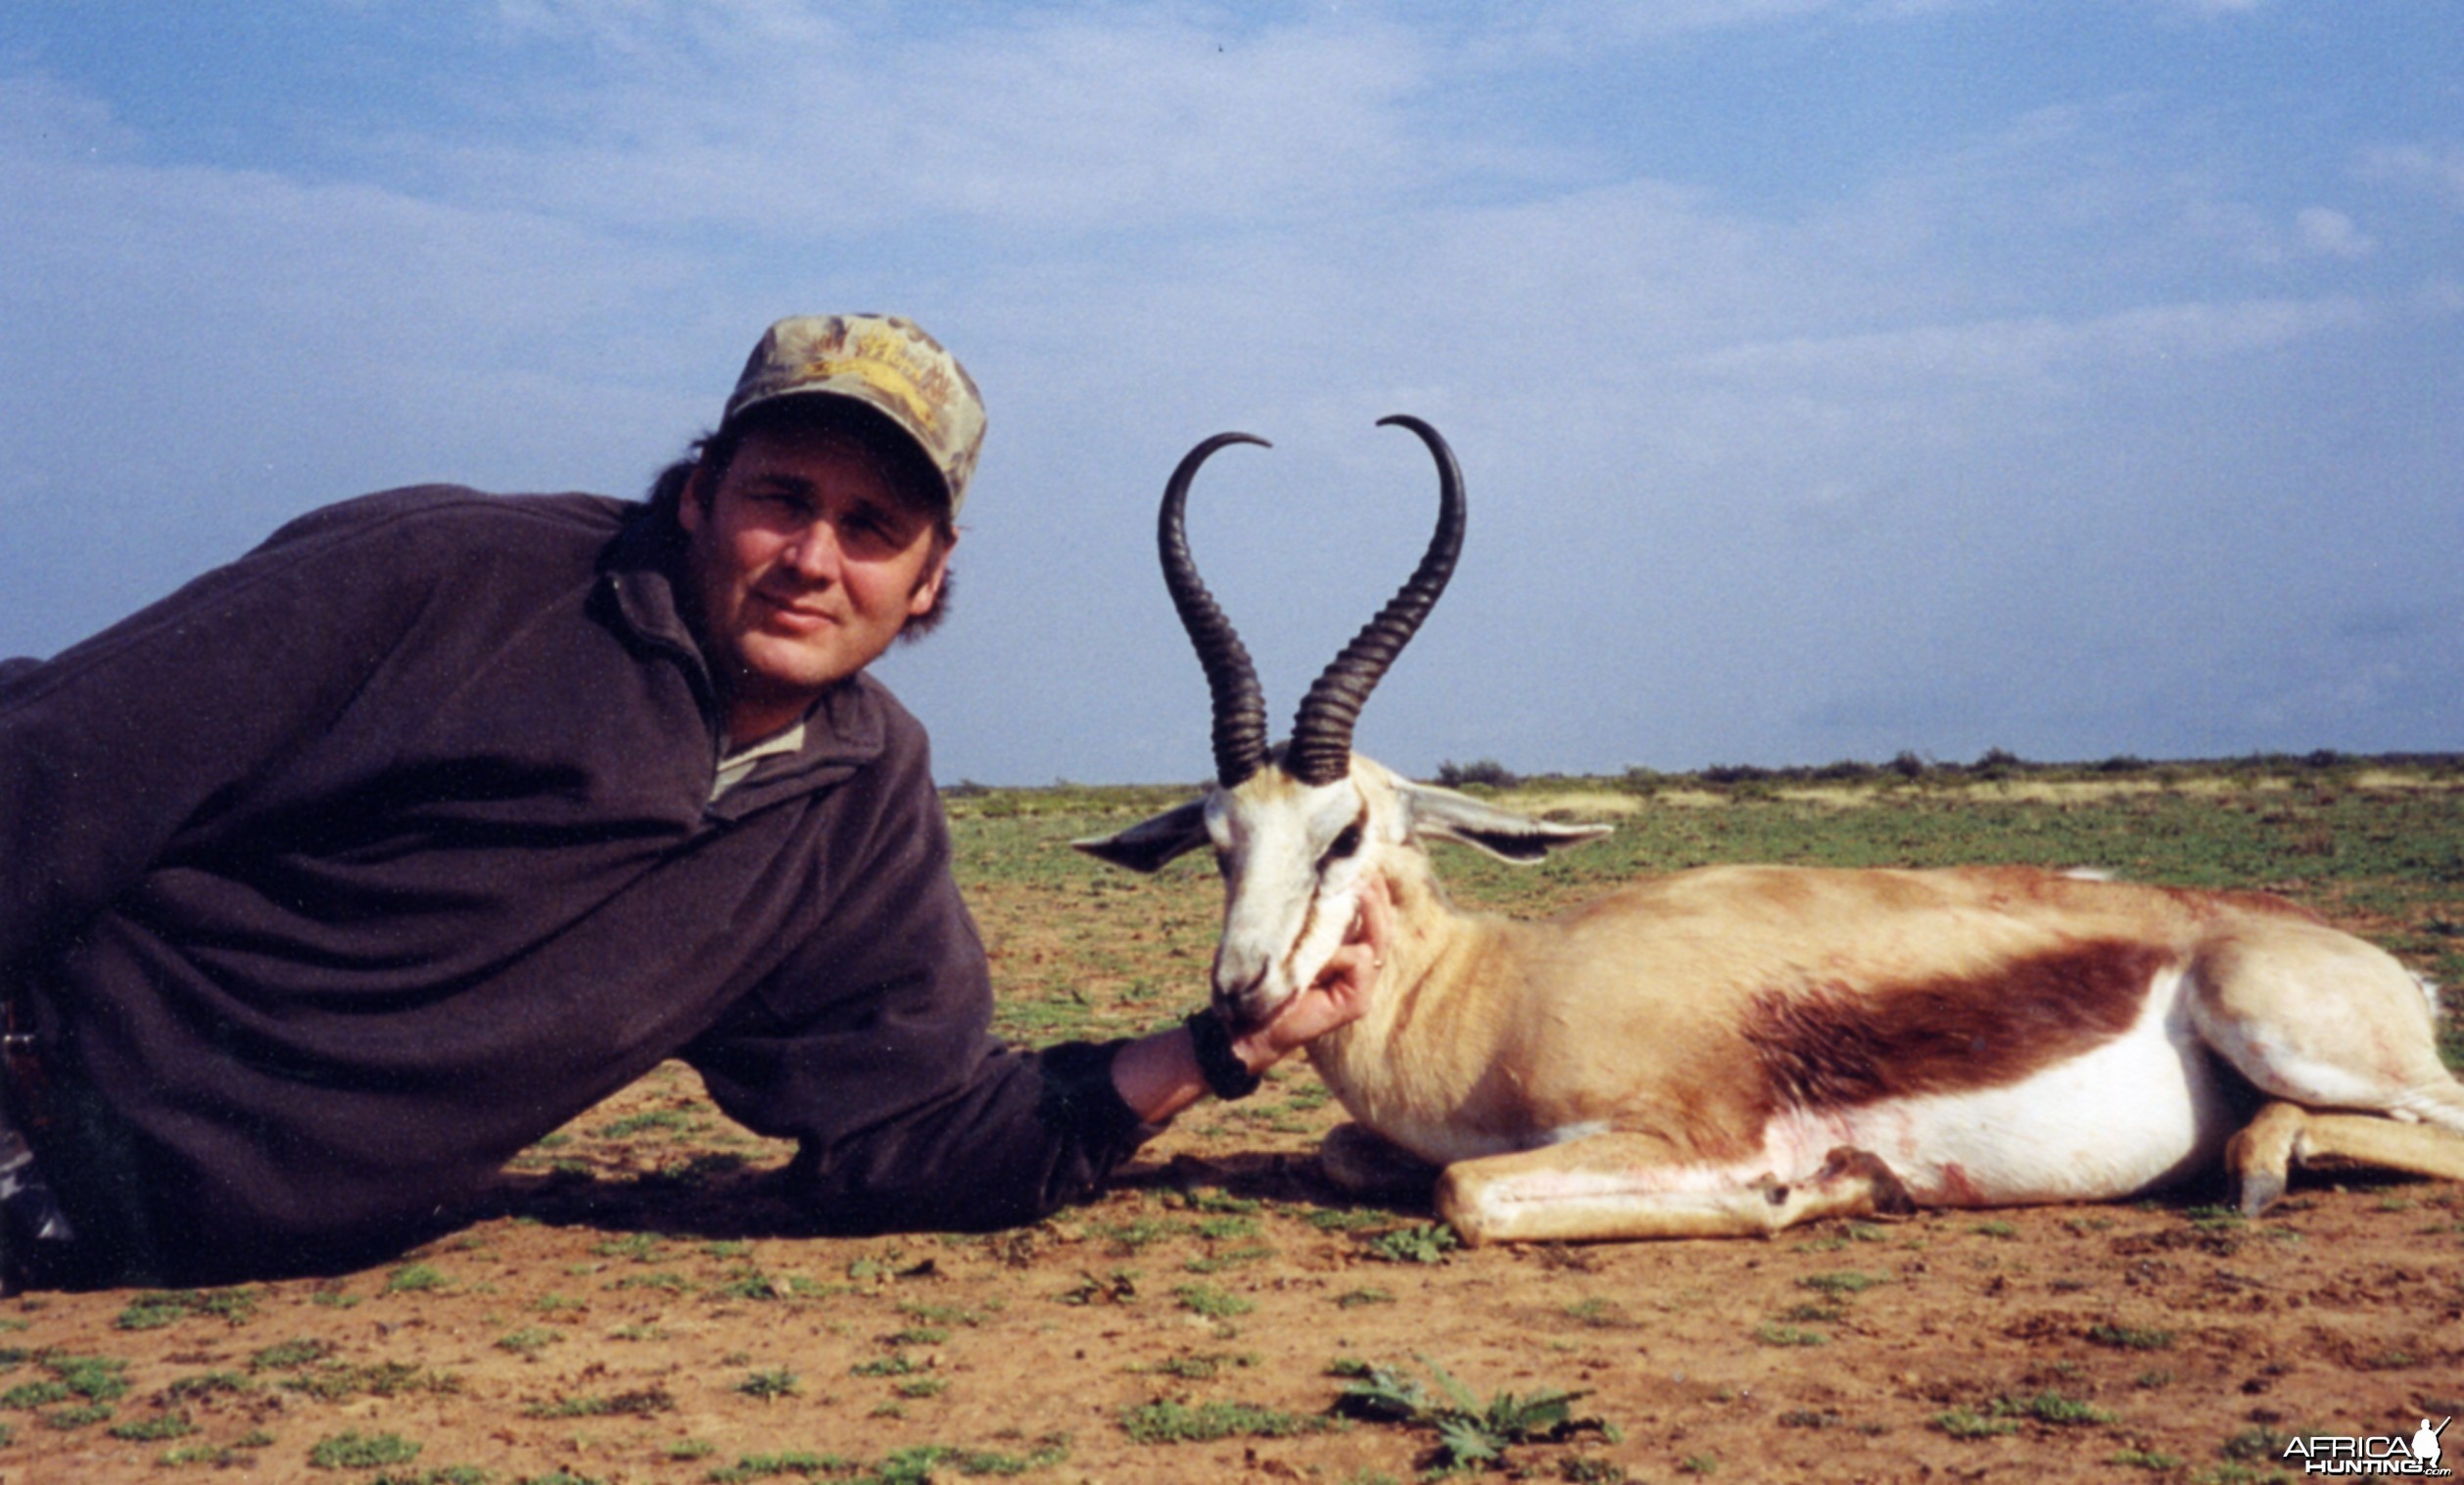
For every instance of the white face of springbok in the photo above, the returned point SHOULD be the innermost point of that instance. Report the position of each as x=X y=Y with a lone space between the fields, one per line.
x=1294 y=858
x=1297 y=832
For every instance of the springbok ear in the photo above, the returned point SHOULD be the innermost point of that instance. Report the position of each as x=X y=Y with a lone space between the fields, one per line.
x=1501 y=833
x=1146 y=845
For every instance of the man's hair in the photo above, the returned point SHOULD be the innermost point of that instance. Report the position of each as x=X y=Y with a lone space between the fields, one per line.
x=912 y=474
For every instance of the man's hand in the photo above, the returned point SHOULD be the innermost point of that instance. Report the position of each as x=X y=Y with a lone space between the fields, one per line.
x=1158 y=1076
x=1341 y=993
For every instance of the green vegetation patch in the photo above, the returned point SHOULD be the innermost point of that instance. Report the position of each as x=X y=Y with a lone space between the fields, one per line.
x=157 y=1308
x=1174 y=1421
x=1470 y=1433
x=354 y=1451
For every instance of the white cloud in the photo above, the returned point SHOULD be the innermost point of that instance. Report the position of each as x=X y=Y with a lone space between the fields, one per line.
x=2331 y=233
x=2438 y=170
x=1039 y=120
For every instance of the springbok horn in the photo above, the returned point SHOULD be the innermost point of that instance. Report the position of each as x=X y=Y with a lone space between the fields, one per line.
x=1321 y=734
x=1240 y=707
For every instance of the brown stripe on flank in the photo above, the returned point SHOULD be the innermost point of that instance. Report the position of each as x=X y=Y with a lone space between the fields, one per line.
x=1830 y=1045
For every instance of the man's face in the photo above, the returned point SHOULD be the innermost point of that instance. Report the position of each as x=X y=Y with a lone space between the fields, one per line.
x=805 y=564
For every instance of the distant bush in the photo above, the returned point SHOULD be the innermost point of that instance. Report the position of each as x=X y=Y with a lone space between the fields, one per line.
x=1997 y=763
x=1484 y=771
x=1647 y=781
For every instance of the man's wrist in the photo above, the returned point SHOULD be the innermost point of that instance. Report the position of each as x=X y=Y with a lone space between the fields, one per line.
x=1227 y=1074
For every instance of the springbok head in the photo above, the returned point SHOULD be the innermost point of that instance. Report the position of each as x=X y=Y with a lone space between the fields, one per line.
x=1298 y=829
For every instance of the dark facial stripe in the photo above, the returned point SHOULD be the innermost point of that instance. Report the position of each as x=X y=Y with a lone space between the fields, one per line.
x=1828 y=1045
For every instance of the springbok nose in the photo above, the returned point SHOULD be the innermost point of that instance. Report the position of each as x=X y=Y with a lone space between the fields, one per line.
x=1237 y=978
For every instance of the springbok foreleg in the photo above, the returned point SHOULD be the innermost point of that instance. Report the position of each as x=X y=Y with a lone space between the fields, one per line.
x=1618 y=1186
x=2286 y=1135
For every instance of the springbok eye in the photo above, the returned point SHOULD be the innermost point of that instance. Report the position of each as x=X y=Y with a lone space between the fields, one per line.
x=1342 y=847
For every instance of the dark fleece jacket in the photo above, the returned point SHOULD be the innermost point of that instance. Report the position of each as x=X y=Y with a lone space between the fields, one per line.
x=353 y=868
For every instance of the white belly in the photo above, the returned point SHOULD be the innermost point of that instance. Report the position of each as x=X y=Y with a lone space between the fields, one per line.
x=2137 y=1112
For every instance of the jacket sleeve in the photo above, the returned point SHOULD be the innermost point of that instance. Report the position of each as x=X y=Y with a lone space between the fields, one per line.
x=870 y=1047
x=113 y=747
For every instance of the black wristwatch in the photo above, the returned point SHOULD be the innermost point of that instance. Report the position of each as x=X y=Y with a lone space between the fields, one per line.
x=1227 y=1077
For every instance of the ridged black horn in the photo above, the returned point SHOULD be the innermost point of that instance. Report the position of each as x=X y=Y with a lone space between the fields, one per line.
x=1240 y=707
x=1321 y=734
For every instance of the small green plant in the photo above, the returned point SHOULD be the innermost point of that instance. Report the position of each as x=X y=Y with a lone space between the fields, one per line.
x=414 y=1279
x=1470 y=1433
x=530 y=1340
x=1346 y=1219
x=34 y=1395
x=286 y=1356
x=163 y=1426
x=749 y=1283
x=351 y=1450
x=157 y=1308
x=1841 y=1282
x=1788 y=1336
x=778 y=1382
x=2051 y=1408
x=1213 y=1303
x=2217 y=1219
x=1428 y=1244
x=1172 y=1421
x=665 y=1120
x=1968 y=1424
x=1137 y=1233
x=641 y=1403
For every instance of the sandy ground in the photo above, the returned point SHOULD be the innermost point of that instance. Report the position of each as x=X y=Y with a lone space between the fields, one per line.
x=625 y=1317
x=630 y=1310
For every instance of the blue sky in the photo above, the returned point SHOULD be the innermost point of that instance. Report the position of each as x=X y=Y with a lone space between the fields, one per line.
x=1831 y=377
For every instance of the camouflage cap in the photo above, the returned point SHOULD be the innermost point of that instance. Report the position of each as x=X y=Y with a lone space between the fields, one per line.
x=886 y=362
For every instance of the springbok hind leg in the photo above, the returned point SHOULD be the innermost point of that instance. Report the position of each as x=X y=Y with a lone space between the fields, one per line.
x=2287 y=1136
x=1610 y=1186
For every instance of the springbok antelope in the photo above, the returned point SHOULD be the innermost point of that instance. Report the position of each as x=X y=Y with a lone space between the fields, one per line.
x=1734 y=1050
